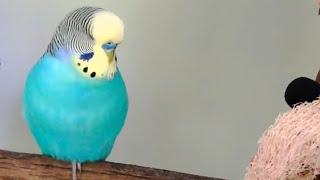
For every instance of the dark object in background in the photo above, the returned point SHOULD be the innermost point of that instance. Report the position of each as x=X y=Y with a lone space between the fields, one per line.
x=302 y=90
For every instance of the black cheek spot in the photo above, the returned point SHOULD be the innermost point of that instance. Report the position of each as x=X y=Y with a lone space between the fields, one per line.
x=85 y=69
x=93 y=74
x=79 y=64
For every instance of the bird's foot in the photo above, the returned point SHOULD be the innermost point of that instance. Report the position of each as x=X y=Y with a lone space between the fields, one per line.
x=74 y=170
x=76 y=166
x=79 y=167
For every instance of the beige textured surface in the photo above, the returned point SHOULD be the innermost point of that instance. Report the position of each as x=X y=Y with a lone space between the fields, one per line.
x=290 y=148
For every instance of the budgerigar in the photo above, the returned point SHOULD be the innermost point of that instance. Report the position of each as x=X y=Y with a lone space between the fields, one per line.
x=75 y=100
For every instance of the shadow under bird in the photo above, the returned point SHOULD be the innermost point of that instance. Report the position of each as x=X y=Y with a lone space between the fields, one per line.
x=75 y=101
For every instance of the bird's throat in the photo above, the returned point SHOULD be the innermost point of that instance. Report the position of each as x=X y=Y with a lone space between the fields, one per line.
x=101 y=65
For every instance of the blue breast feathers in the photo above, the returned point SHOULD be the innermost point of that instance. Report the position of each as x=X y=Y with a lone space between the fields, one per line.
x=72 y=117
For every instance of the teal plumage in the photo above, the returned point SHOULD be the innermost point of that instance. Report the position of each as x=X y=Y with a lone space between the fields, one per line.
x=72 y=117
x=75 y=101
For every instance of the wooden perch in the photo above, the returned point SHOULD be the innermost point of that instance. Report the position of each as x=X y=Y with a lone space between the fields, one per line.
x=15 y=165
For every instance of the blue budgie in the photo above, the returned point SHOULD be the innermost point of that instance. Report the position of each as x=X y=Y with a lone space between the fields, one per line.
x=75 y=100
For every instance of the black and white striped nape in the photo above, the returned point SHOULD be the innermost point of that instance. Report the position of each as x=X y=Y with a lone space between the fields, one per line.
x=74 y=33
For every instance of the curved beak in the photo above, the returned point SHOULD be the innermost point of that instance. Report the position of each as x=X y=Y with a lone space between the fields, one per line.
x=111 y=55
x=110 y=49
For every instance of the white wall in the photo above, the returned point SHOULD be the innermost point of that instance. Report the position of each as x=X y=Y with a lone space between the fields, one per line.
x=205 y=78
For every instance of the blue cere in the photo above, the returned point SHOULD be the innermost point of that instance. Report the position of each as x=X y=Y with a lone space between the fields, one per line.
x=109 y=46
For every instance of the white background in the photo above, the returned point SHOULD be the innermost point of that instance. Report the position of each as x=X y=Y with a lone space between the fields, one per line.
x=205 y=78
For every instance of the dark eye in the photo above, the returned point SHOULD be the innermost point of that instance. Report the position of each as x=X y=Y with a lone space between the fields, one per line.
x=109 y=46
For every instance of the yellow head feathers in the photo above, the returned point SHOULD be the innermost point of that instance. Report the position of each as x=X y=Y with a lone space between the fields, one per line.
x=91 y=35
x=107 y=27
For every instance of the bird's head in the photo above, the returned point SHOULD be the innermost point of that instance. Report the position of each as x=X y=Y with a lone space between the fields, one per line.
x=92 y=36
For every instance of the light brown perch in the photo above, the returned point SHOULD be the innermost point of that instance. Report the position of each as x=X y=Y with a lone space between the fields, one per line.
x=15 y=165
